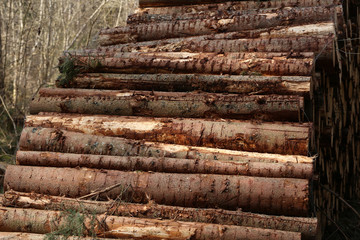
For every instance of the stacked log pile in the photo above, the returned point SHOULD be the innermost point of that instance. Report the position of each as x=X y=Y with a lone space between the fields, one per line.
x=188 y=123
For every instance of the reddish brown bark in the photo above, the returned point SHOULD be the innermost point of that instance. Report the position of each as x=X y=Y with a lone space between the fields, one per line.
x=216 y=24
x=294 y=85
x=205 y=63
x=55 y=140
x=34 y=236
x=223 y=4
x=168 y=165
x=169 y=104
x=279 y=196
x=306 y=226
x=281 y=138
x=41 y=221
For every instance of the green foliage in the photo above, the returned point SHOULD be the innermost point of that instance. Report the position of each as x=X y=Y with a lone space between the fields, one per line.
x=74 y=225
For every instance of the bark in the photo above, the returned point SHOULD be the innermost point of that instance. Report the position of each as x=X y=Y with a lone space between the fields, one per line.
x=169 y=104
x=34 y=236
x=278 y=196
x=181 y=62
x=40 y=221
x=217 y=24
x=168 y=165
x=216 y=14
x=233 y=6
x=223 y=4
x=55 y=140
x=295 y=85
x=281 y=138
x=306 y=226
x=323 y=29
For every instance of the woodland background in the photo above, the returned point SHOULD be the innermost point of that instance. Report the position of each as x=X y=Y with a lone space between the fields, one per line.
x=34 y=33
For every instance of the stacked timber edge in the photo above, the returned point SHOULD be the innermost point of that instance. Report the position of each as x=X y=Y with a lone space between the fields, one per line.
x=191 y=122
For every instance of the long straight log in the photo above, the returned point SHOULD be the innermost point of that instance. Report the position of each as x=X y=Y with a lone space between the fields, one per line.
x=34 y=236
x=169 y=104
x=55 y=140
x=224 y=4
x=290 y=85
x=217 y=24
x=181 y=62
x=281 y=138
x=306 y=226
x=278 y=196
x=168 y=165
x=319 y=30
x=216 y=14
x=41 y=221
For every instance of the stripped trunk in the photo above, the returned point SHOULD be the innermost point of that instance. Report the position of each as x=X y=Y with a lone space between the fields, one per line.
x=224 y=4
x=281 y=138
x=279 y=196
x=40 y=221
x=168 y=165
x=189 y=82
x=182 y=62
x=55 y=140
x=187 y=105
x=217 y=24
x=306 y=226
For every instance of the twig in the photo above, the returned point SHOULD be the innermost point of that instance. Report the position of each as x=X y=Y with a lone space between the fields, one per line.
x=337 y=225
x=8 y=113
x=100 y=191
x=341 y=199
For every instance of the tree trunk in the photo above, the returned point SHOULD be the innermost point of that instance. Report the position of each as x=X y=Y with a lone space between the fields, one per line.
x=296 y=85
x=55 y=140
x=41 y=221
x=231 y=5
x=281 y=138
x=237 y=4
x=168 y=165
x=314 y=44
x=217 y=24
x=306 y=226
x=278 y=196
x=153 y=104
x=181 y=62
x=34 y=236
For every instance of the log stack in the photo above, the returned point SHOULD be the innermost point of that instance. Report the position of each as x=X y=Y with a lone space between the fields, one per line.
x=191 y=122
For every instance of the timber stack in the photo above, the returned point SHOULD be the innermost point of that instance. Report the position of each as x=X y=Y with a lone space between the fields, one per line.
x=191 y=122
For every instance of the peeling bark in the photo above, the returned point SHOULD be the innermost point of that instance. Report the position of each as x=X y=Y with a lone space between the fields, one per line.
x=278 y=196
x=41 y=221
x=294 y=85
x=55 y=140
x=306 y=226
x=281 y=138
x=205 y=63
x=217 y=24
x=152 y=104
x=168 y=165
x=34 y=236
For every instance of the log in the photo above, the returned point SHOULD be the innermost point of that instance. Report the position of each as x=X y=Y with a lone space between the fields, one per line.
x=257 y=63
x=306 y=226
x=281 y=138
x=224 y=4
x=233 y=5
x=34 y=236
x=316 y=30
x=41 y=221
x=152 y=104
x=216 y=14
x=282 y=85
x=278 y=196
x=217 y=24
x=168 y=165
x=55 y=140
